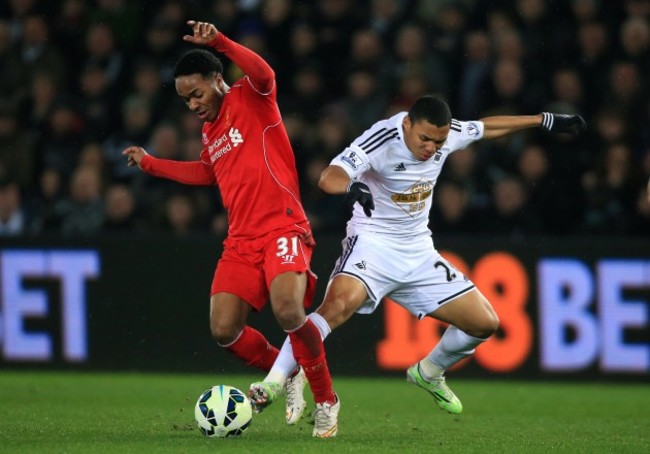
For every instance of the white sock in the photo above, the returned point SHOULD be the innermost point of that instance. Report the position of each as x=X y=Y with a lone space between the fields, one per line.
x=453 y=346
x=321 y=324
x=285 y=363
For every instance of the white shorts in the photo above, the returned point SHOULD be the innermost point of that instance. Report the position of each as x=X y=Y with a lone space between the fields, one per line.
x=413 y=273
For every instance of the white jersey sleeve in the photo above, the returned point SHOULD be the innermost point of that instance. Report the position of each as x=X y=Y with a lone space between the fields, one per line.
x=353 y=160
x=364 y=150
x=462 y=133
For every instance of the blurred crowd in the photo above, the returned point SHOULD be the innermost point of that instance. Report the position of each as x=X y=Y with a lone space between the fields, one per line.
x=81 y=80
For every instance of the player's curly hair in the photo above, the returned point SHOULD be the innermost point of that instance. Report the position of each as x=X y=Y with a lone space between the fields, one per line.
x=432 y=109
x=198 y=61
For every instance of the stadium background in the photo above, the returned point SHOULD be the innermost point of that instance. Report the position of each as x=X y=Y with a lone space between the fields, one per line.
x=103 y=267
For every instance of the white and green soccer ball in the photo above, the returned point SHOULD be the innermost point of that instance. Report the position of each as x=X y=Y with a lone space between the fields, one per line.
x=223 y=411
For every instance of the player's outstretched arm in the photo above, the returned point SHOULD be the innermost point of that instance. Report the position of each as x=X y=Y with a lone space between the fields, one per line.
x=258 y=71
x=195 y=173
x=503 y=125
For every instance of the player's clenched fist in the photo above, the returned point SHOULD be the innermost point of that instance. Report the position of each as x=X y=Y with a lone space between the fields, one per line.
x=359 y=192
x=134 y=155
x=204 y=32
x=567 y=124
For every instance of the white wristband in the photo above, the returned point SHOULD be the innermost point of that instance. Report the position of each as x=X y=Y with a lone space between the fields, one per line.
x=547 y=121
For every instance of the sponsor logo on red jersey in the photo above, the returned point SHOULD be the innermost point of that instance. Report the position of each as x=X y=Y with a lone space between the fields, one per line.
x=224 y=143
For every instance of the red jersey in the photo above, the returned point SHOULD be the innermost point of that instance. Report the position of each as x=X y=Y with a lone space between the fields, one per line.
x=246 y=153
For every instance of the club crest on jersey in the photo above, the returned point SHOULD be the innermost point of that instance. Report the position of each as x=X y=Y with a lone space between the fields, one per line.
x=204 y=138
x=437 y=157
x=361 y=265
x=352 y=159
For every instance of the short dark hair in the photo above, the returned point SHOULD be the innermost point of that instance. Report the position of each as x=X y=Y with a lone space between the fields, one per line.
x=198 y=61
x=432 y=109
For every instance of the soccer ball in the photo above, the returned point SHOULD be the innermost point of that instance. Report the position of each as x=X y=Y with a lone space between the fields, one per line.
x=223 y=411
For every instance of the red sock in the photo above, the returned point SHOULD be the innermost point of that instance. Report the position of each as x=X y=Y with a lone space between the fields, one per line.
x=309 y=352
x=254 y=349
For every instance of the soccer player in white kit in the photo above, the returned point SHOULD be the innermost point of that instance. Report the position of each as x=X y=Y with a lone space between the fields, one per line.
x=389 y=173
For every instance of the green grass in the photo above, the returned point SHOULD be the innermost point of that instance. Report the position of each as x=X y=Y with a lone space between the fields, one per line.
x=141 y=413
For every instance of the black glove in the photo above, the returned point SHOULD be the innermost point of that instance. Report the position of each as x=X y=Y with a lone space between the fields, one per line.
x=568 y=124
x=359 y=192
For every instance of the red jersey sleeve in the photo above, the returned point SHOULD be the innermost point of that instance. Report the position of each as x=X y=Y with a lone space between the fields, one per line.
x=260 y=74
x=195 y=173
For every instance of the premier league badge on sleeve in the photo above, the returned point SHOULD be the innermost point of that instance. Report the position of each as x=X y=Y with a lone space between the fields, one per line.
x=352 y=159
x=473 y=130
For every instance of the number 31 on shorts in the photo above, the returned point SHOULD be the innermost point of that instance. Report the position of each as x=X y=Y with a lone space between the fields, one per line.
x=287 y=246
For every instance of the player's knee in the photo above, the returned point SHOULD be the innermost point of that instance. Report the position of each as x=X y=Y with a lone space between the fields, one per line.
x=223 y=333
x=486 y=327
x=289 y=316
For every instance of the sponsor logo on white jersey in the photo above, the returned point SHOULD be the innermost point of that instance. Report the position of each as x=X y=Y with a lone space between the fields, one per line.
x=414 y=199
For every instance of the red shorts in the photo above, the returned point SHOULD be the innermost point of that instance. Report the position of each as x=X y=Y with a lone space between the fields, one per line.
x=247 y=267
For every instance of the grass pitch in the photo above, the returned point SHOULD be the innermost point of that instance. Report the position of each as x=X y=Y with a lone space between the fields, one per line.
x=142 y=413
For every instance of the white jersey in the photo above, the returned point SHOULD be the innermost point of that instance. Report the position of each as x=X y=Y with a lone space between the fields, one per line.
x=401 y=186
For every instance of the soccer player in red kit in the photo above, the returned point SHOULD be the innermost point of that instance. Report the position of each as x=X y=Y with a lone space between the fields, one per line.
x=247 y=154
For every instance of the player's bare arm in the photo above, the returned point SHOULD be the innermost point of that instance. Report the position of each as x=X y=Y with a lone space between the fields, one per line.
x=503 y=125
x=334 y=180
x=134 y=155
x=203 y=33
